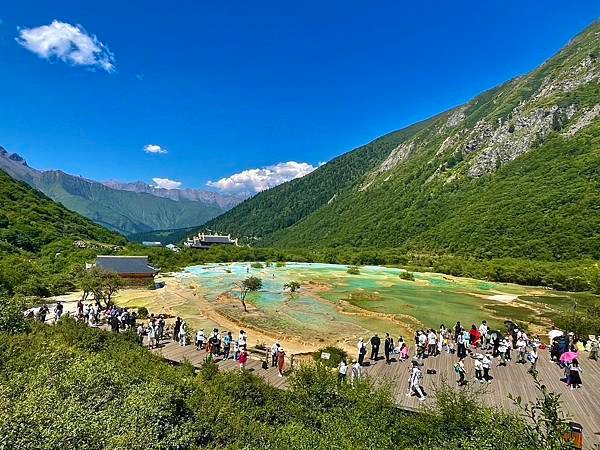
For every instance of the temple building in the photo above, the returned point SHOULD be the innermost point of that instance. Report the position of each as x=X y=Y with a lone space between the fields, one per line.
x=133 y=269
x=208 y=240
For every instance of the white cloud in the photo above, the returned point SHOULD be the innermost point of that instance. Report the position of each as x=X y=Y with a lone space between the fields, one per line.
x=69 y=43
x=251 y=181
x=140 y=76
x=165 y=183
x=155 y=149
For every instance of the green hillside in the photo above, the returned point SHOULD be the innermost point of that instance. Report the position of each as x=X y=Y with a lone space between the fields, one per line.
x=36 y=240
x=125 y=211
x=514 y=172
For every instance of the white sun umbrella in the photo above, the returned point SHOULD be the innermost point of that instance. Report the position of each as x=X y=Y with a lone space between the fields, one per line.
x=555 y=333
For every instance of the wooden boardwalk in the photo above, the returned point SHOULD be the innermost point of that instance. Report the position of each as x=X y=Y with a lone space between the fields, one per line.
x=581 y=405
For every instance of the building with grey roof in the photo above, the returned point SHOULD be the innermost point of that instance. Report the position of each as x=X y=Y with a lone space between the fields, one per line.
x=131 y=267
x=206 y=241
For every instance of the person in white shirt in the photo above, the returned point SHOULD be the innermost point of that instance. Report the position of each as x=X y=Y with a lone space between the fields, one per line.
x=183 y=334
x=487 y=366
x=479 y=368
x=151 y=331
x=533 y=357
x=483 y=330
x=342 y=371
x=362 y=351
x=415 y=382
x=431 y=343
x=200 y=338
x=522 y=349
x=356 y=371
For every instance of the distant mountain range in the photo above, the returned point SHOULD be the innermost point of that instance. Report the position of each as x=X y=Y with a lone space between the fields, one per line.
x=515 y=172
x=195 y=195
x=124 y=207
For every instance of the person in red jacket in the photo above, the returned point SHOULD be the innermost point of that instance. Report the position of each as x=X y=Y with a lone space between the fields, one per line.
x=243 y=358
x=475 y=336
x=280 y=361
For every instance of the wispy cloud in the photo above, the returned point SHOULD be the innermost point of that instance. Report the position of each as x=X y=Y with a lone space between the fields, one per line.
x=251 y=181
x=68 y=43
x=140 y=76
x=165 y=183
x=155 y=149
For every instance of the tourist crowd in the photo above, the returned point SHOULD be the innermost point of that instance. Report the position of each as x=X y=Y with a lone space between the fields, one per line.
x=485 y=346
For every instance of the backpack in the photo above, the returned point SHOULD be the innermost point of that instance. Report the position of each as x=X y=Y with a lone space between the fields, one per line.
x=457 y=368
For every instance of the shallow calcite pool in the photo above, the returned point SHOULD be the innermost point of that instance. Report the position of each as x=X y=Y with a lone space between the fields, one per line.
x=335 y=305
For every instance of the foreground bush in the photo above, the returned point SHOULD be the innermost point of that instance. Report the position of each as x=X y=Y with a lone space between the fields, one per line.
x=69 y=386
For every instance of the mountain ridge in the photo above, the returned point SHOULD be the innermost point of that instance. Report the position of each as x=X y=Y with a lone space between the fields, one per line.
x=125 y=211
x=422 y=190
x=221 y=200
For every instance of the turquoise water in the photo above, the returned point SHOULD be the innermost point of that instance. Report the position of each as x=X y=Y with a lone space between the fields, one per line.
x=432 y=299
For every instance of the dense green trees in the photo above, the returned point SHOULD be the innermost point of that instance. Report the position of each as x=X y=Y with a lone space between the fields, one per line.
x=72 y=386
x=37 y=255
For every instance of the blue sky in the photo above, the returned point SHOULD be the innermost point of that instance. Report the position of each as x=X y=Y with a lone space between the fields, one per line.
x=230 y=86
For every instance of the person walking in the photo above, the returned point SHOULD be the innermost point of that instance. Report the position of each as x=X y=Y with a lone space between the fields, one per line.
x=533 y=358
x=375 y=343
x=356 y=371
x=362 y=350
x=227 y=345
x=483 y=332
x=140 y=334
x=274 y=351
x=79 y=309
x=459 y=368
x=183 y=334
x=280 y=361
x=342 y=371
x=461 y=347
x=415 y=382
x=521 y=349
x=431 y=343
x=594 y=348
x=236 y=350
x=403 y=351
x=478 y=363
x=160 y=327
x=42 y=313
x=503 y=348
x=388 y=347
x=151 y=332
x=58 y=311
x=487 y=366
x=200 y=339
x=574 y=375
x=457 y=330
x=243 y=358
x=176 y=328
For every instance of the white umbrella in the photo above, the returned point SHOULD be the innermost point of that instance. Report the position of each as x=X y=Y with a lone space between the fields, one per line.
x=555 y=333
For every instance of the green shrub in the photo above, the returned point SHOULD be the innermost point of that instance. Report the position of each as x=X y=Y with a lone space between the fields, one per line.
x=143 y=313
x=257 y=265
x=353 y=270
x=336 y=356
x=405 y=275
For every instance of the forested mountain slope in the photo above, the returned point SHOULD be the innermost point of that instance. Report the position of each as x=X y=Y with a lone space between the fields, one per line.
x=37 y=255
x=125 y=211
x=514 y=172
